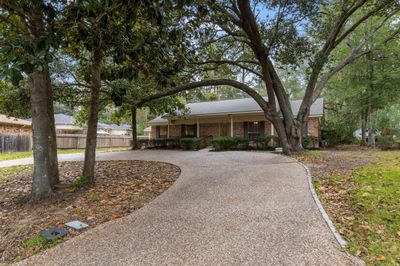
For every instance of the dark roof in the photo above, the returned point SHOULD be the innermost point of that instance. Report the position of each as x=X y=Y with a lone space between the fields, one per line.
x=63 y=119
x=246 y=105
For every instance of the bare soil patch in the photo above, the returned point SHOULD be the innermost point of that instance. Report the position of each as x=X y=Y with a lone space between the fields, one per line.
x=121 y=187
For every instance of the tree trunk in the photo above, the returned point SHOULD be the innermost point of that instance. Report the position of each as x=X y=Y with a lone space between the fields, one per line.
x=134 y=129
x=91 y=136
x=43 y=164
x=364 y=127
x=53 y=160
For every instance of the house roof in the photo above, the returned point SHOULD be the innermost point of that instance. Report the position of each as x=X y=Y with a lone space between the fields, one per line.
x=63 y=119
x=236 y=106
x=5 y=119
x=68 y=127
x=114 y=126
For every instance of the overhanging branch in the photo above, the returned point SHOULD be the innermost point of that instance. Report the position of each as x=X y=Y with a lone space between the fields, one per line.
x=206 y=83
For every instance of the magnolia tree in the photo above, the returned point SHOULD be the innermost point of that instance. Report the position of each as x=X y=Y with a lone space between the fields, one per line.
x=263 y=36
x=28 y=36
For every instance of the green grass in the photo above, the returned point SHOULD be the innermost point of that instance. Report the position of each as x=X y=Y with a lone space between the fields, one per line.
x=20 y=155
x=8 y=173
x=369 y=207
x=40 y=243
x=376 y=197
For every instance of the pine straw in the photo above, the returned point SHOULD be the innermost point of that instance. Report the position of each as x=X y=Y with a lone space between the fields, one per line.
x=121 y=187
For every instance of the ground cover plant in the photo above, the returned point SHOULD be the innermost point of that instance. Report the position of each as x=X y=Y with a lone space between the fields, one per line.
x=122 y=187
x=360 y=191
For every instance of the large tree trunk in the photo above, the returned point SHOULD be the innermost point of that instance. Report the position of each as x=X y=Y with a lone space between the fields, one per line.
x=42 y=126
x=45 y=168
x=53 y=160
x=134 y=129
x=91 y=136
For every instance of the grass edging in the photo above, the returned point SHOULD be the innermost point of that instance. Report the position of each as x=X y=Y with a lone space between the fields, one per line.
x=321 y=209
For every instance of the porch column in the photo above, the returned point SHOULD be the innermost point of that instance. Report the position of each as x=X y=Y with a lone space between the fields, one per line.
x=272 y=129
x=198 y=129
x=231 y=126
x=168 y=130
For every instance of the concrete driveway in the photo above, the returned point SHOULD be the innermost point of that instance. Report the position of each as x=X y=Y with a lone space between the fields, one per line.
x=227 y=208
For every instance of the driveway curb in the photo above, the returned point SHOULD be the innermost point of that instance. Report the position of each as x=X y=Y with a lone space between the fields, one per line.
x=324 y=214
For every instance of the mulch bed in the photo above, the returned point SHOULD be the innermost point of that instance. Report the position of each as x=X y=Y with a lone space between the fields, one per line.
x=121 y=187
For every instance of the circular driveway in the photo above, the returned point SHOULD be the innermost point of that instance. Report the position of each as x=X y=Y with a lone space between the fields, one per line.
x=226 y=208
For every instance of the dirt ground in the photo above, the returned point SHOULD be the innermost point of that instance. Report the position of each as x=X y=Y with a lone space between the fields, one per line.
x=121 y=187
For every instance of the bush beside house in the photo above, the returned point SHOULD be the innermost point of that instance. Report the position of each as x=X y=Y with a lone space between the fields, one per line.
x=193 y=144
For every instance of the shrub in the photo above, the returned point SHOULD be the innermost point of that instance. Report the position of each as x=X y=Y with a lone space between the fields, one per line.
x=224 y=143
x=192 y=144
x=79 y=183
x=241 y=143
x=387 y=143
x=310 y=142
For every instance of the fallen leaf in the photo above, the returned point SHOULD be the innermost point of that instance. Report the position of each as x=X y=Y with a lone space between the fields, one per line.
x=393 y=249
x=380 y=257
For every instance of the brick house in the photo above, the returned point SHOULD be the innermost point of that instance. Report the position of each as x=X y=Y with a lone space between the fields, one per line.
x=235 y=118
x=14 y=126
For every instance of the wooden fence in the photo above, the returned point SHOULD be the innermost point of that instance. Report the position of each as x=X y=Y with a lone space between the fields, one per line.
x=78 y=141
x=15 y=143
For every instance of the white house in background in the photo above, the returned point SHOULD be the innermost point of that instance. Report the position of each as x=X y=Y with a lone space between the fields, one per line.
x=113 y=129
x=147 y=132
x=65 y=124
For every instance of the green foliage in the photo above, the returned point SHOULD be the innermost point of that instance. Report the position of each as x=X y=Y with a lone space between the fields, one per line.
x=192 y=143
x=36 y=241
x=224 y=143
x=388 y=142
x=79 y=183
x=310 y=142
x=241 y=143
x=338 y=131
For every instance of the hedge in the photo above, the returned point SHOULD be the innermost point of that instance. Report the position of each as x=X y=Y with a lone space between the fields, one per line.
x=240 y=143
x=193 y=144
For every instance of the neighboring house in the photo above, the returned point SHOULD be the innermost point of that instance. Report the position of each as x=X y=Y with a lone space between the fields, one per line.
x=236 y=118
x=14 y=126
x=115 y=129
x=65 y=124
x=147 y=132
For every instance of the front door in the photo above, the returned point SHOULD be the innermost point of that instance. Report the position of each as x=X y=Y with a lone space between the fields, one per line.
x=225 y=129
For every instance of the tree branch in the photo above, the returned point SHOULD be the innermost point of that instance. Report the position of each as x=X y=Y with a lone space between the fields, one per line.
x=206 y=83
x=229 y=62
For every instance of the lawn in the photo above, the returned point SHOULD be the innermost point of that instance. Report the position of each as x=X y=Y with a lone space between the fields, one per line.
x=361 y=192
x=20 y=155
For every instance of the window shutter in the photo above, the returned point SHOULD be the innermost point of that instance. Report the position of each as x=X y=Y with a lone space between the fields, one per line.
x=246 y=129
x=262 y=128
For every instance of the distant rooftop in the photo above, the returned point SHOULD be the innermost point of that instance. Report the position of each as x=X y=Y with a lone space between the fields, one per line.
x=63 y=119
x=5 y=119
x=236 y=106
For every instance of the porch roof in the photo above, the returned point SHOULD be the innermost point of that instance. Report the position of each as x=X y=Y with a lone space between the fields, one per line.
x=236 y=106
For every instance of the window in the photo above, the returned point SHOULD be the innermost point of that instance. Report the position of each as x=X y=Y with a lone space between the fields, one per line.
x=162 y=132
x=253 y=129
x=189 y=130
